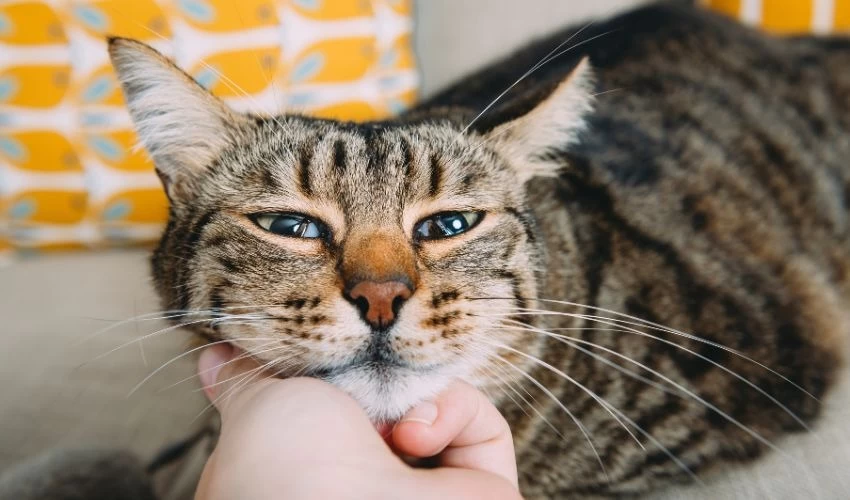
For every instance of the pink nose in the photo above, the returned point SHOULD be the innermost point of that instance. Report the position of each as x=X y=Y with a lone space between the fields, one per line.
x=379 y=302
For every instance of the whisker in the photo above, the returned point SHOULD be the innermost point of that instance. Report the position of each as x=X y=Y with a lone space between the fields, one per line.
x=245 y=379
x=166 y=315
x=653 y=326
x=242 y=384
x=604 y=404
x=603 y=320
x=506 y=382
x=156 y=333
x=242 y=356
x=254 y=354
x=177 y=358
x=558 y=402
x=525 y=75
x=755 y=435
x=573 y=341
x=640 y=429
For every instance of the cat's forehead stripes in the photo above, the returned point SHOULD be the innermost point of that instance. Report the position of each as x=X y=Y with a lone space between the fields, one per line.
x=372 y=172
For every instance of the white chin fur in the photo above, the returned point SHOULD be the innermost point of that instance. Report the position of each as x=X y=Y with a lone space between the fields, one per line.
x=387 y=395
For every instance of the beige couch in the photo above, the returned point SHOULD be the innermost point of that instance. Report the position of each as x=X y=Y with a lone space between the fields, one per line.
x=59 y=388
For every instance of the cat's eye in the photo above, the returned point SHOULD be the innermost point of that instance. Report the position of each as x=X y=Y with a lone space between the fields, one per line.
x=293 y=225
x=446 y=225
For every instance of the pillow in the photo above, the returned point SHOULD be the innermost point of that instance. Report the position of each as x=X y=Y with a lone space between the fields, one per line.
x=789 y=16
x=70 y=175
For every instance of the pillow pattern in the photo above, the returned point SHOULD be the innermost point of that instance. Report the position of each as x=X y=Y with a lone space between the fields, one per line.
x=70 y=175
x=789 y=16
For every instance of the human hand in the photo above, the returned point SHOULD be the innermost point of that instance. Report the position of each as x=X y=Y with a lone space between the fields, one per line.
x=304 y=438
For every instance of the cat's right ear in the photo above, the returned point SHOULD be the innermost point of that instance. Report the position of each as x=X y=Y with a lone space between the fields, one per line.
x=181 y=125
x=552 y=125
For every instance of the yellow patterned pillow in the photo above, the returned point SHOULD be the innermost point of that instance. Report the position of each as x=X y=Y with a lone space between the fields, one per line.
x=789 y=16
x=69 y=174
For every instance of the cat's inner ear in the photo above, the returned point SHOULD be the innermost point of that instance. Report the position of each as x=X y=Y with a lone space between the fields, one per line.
x=553 y=125
x=181 y=125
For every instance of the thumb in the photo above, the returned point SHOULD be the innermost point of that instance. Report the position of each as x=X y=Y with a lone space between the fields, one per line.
x=225 y=370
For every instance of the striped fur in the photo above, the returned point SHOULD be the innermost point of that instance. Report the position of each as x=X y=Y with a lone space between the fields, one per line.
x=708 y=193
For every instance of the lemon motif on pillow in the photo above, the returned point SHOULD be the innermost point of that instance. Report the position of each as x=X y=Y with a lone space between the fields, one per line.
x=236 y=73
x=125 y=207
x=329 y=10
x=40 y=150
x=48 y=207
x=140 y=19
x=30 y=23
x=226 y=15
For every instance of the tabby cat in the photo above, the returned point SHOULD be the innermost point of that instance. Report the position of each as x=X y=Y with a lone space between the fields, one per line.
x=641 y=252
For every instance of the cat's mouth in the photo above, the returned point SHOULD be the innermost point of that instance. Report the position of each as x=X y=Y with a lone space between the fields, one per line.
x=384 y=383
x=381 y=366
x=377 y=357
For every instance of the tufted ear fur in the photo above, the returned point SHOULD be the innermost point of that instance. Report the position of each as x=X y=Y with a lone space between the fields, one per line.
x=179 y=123
x=552 y=125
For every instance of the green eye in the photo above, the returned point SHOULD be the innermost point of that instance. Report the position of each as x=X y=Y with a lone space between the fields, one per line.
x=293 y=225
x=446 y=225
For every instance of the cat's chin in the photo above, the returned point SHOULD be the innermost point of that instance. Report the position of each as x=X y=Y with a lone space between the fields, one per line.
x=386 y=394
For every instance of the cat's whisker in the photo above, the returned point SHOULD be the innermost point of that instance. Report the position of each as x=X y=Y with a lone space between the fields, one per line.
x=167 y=315
x=152 y=316
x=245 y=378
x=268 y=75
x=154 y=334
x=573 y=341
x=179 y=357
x=634 y=424
x=507 y=383
x=502 y=385
x=755 y=435
x=596 y=397
x=253 y=355
x=142 y=354
x=743 y=379
x=609 y=91
x=239 y=385
x=563 y=407
x=657 y=327
x=525 y=75
x=242 y=356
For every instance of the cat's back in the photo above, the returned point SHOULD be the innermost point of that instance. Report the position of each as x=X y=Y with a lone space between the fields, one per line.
x=703 y=130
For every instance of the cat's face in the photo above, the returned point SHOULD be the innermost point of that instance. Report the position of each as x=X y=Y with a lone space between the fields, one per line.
x=380 y=257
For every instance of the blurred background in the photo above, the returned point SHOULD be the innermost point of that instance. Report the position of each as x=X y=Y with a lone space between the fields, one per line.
x=80 y=206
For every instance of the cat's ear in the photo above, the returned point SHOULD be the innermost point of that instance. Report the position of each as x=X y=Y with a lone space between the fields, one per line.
x=181 y=125
x=552 y=125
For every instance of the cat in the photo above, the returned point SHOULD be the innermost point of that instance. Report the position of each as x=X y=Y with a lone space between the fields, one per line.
x=641 y=251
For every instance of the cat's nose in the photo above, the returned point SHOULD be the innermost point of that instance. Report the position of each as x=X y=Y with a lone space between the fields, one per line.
x=379 y=302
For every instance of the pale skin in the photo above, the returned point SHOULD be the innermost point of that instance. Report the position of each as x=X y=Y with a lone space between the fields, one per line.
x=304 y=438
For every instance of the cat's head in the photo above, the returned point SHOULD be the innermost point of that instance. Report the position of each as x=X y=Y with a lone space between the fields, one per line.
x=383 y=257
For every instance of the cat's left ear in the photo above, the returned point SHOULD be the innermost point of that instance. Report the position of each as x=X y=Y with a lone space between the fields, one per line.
x=553 y=124
x=182 y=126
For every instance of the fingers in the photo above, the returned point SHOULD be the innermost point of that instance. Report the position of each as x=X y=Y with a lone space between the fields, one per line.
x=240 y=389
x=283 y=438
x=464 y=428
x=224 y=370
x=460 y=484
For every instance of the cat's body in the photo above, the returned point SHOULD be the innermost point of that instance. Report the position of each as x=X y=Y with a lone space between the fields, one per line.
x=710 y=193
x=706 y=191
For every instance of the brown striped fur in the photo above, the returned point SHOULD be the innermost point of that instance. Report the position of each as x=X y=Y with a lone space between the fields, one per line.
x=707 y=191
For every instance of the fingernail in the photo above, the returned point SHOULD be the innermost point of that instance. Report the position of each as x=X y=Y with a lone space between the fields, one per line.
x=424 y=413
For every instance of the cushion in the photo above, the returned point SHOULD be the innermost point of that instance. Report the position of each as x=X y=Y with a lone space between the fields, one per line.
x=69 y=173
x=789 y=17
